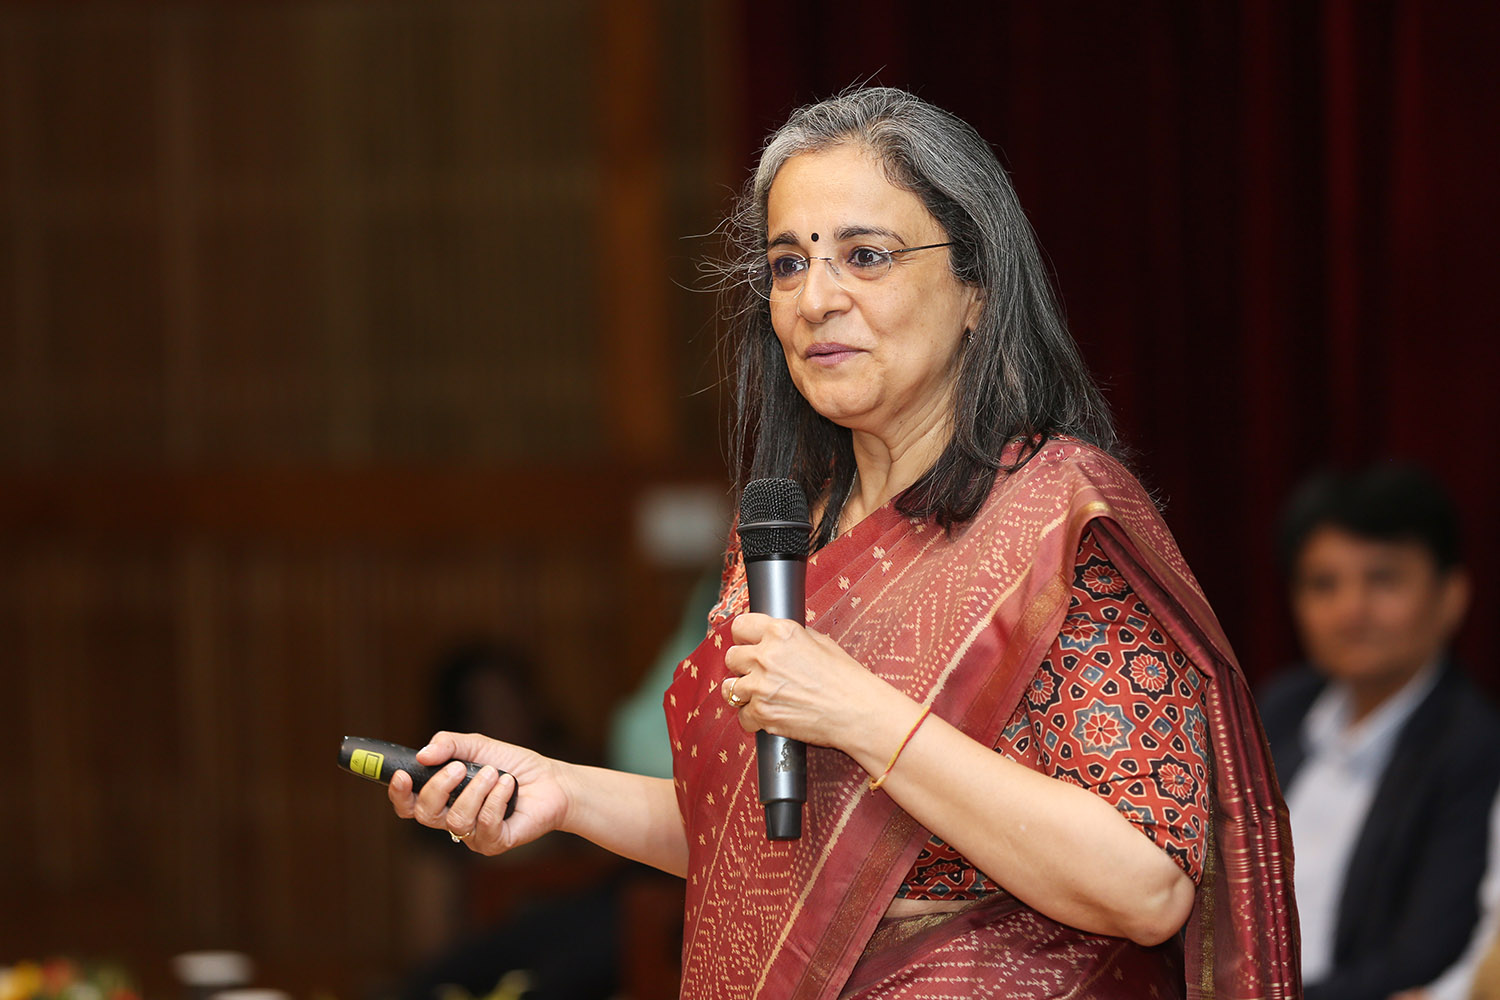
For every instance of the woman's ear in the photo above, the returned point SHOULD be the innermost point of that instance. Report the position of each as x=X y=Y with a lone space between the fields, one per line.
x=975 y=312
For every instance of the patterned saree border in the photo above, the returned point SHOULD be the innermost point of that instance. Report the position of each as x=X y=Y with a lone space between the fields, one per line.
x=819 y=961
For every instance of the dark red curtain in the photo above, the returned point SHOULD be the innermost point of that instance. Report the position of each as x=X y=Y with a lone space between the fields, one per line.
x=1272 y=226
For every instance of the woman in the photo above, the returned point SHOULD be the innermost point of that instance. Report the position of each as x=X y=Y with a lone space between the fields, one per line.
x=985 y=578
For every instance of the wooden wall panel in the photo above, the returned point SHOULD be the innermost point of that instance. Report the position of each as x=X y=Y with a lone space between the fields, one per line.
x=181 y=703
x=307 y=371
x=348 y=216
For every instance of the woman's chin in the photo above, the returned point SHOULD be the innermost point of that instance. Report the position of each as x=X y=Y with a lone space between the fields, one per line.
x=845 y=413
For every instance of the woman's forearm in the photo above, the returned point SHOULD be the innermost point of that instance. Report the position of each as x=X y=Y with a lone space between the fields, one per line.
x=630 y=814
x=1059 y=848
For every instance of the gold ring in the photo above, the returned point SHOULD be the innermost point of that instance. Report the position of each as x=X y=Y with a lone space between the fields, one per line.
x=735 y=699
x=459 y=838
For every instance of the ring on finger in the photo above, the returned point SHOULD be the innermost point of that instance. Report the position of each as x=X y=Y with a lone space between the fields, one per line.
x=459 y=838
x=735 y=699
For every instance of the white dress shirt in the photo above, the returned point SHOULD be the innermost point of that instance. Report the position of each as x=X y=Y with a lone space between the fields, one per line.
x=1329 y=798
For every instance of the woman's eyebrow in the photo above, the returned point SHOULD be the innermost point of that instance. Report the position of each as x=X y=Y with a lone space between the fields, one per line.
x=855 y=231
x=848 y=231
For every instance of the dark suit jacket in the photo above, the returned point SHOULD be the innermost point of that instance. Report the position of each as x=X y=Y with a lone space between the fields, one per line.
x=1410 y=897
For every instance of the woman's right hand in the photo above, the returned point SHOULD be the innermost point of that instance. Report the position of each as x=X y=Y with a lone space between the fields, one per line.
x=478 y=814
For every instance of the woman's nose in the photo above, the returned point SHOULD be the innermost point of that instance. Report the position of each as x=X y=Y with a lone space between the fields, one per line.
x=822 y=295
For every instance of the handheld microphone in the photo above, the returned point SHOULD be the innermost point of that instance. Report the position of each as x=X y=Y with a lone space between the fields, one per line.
x=377 y=760
x=774 y=528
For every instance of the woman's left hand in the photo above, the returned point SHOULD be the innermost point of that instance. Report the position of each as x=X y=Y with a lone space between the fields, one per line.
x=796 y=682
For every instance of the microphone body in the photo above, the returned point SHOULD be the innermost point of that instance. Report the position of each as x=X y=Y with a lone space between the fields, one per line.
x=774 y=529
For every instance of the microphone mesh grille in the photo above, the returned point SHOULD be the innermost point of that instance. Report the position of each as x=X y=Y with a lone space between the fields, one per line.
x=773 y=500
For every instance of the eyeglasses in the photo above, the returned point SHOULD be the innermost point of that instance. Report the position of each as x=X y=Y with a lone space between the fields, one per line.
x=784 y=275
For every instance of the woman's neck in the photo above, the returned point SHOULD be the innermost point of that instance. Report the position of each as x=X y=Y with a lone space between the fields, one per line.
x=884 y=471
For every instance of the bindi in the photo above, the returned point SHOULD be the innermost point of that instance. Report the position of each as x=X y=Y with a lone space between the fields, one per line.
x=815 y=237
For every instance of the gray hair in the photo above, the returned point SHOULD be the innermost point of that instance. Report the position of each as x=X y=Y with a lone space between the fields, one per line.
x=1019 y=375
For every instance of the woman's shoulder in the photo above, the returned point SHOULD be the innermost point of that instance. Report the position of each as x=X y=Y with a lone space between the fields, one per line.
x=1068 y=486
x=1082 y=458
x=1040 y=503
x=1069 y=471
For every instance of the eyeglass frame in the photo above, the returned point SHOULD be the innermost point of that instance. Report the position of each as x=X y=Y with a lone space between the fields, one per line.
x=755 y=272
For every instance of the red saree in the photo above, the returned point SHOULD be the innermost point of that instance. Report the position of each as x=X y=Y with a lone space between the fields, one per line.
x=961 y=623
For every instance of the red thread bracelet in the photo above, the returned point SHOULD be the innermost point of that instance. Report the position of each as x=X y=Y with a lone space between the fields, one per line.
x=877 y=782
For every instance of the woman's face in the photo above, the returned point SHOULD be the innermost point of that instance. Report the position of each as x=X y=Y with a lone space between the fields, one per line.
x=873 y=356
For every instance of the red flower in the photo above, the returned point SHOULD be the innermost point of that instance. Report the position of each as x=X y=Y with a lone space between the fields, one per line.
x=57 y=974
x=1175 y=781
x=1148 y=672
x=1041 y=689
x=1103 y=580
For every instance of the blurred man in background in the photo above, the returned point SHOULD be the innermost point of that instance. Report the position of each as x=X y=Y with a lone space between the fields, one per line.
x=1389 y=757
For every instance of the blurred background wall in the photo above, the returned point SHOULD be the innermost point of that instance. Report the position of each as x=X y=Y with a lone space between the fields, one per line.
x=334 y=333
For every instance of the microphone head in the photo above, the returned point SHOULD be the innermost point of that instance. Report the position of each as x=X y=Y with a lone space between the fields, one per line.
x=773 y=519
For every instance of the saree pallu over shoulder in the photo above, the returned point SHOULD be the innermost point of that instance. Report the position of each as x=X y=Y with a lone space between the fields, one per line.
x=959 y=623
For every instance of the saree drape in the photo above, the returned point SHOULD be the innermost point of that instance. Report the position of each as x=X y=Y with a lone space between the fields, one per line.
x=960 y=623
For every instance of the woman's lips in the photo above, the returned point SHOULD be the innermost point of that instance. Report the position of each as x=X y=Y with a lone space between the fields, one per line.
x=829 y=354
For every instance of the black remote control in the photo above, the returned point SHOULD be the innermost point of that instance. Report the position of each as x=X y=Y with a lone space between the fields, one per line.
x=377 y=760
